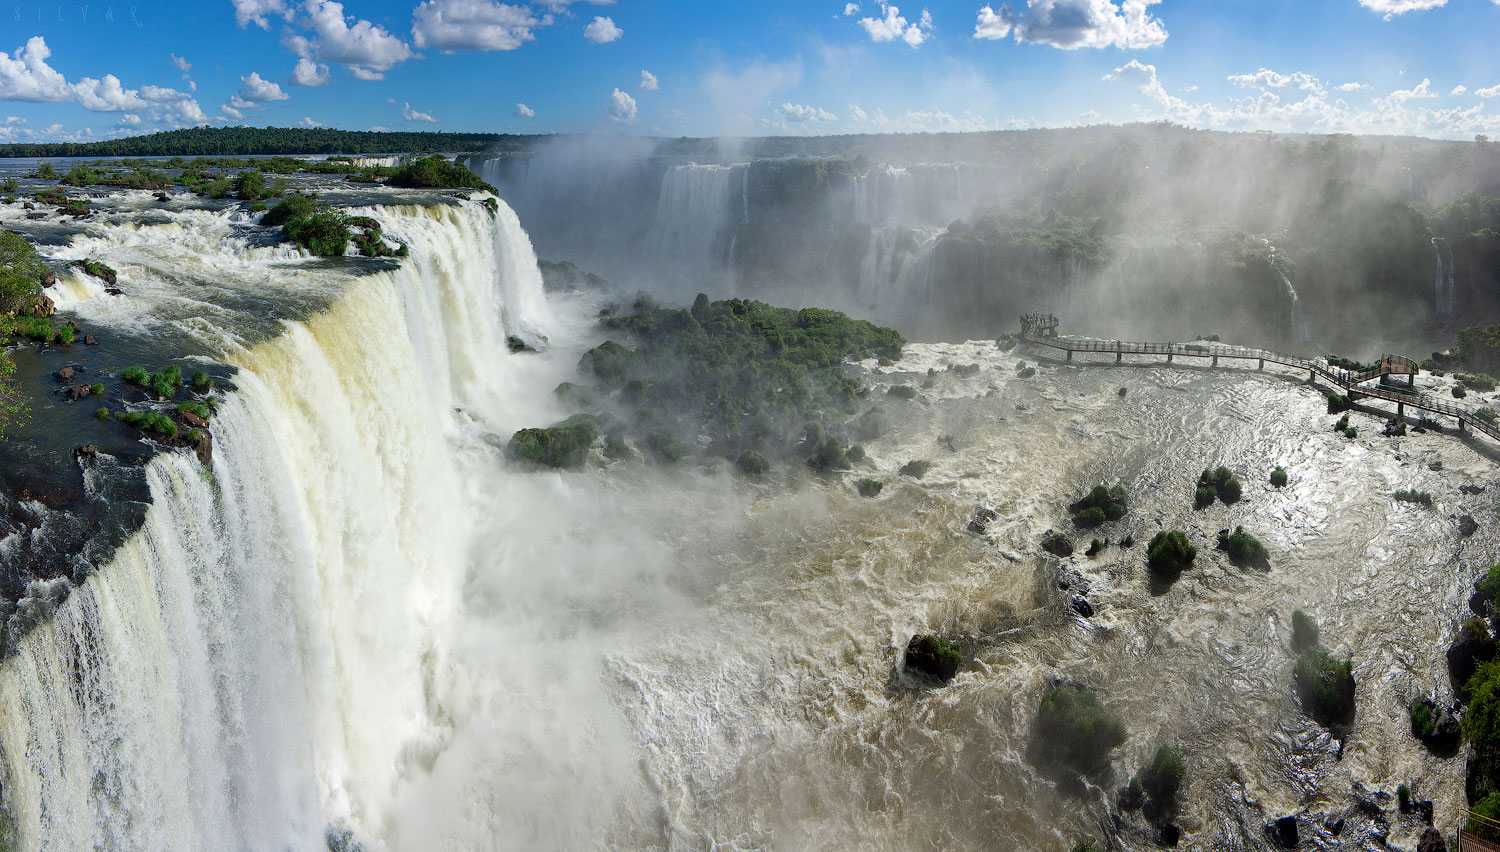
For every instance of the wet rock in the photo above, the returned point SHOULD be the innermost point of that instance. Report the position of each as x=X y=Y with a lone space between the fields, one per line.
x=1471 y=489
x=1131 y=797
x=193 y=420
x=1081 y=605
x=1283 y=832
x=364 y=222
x=1467 y=526
x=90 y=340
x=1394 y=428
x=1057 y=544
x=204 y=448
x=114 y=291
x=1465 y=654
x=40 y=214
x=1169 y=834
x=982 y=519
x=516 y=344
x=1435 y=726
x=77 y=392
x=933 y=656
x=65 y=374
x=49 y=278
x=87 y=451
x=42 y=306
x=1432 y=841
x=28 y=206
x=1335 y=826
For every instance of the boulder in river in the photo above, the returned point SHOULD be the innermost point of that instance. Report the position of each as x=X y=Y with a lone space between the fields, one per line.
x=1432 y=841
x=982 y=519
x=1435 y=726
x=933 y=656
x=1169 y=834
x=1467 y=526
x=1057 y=544
x=65 y=374
x=77 y=392
x=48 y=278
x=90 y=340
x=1283 y=832
x=1472 y=647
x=1081 y=605
x=42 y=306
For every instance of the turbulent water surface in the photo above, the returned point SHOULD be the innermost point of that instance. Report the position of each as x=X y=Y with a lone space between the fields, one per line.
x=364 y=625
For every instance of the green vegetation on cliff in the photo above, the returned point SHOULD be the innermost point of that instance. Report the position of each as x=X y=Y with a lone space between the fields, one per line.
x=1075 y=730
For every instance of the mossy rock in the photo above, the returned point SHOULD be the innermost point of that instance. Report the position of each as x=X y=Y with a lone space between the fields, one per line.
x=1075 y=730
x=933 y=656
x=1326 y=686
x=1169 y=553
x=563 y=445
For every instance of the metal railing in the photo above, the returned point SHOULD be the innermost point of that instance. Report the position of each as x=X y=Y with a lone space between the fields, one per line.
x=1474 y=843
x=1348 y=381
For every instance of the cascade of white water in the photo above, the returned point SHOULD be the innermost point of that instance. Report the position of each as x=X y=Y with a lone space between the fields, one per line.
x=1295 y=320
x=280 y=648
x=1439 y=302
x=1451 y=297
x=693 y=212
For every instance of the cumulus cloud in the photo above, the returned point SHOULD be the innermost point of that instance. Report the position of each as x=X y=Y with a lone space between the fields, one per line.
x=412 y=115
x=1266 y=79
x=1071 y=24
x=1306 y=110
x=1491 y=92
x=892 y=25
x=367 y=50
x=524 y=111
x=621 y=107
x=1459 y=90
x=1391 y=8
x=602 y=31
x=259 y=12
x=309 y=73
x=253 y=88
x=1351 y=87
x=736 y=95
x=230 y=112
x=923 y=121
x=26 y=76
x=850 y=9
x=452 y=25
x=797 y=113
x=648 y=81
x=181 y=64
x=307 y=121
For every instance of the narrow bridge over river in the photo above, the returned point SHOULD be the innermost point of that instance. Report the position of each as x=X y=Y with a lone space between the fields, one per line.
x=1041 y=330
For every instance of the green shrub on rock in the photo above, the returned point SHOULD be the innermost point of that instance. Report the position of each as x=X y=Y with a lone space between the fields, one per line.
x=933 y=656
x=869 y=487
x=1244 y=548
x=1169 y=553
x=1163 y=776
x=1224 y=484
x=752 y=463
x=1338 y=403
x=136 y=375
x=562 y=445
x=1304 y=631
x=902 y=392
x=1099 y=505
x=1278 y=477
x=1326 y=685
x=1075 y=730
x=1484 y=818
x=1481 y=725
x=916 y=469
x=830 y=455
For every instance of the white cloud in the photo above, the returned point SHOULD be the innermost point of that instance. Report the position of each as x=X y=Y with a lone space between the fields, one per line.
x=797 y=113
x=892 y=25
x=181 y=64
x=253 y=88
x=309 y=73
x=524 y=111
x=621 y=107
x=1071 y=24
x=451 y=25
x=649 y=82
x=857 y=113
x=130 y=120
x=230 y=112
x=259 y=12
x=307 y=121
x=1266 y=79
x=1459 y=90
x=562 y=5
x=28 y=77
x=1421 y=90
x=412 y=115
x=850 y=9
x=380 y=128
x=367 y=50
x=602 y=31
x=1351 y=87
x=1391 y=8
x=1491 y=92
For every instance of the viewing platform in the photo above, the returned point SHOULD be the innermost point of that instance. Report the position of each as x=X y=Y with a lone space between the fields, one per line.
x=1041 y=330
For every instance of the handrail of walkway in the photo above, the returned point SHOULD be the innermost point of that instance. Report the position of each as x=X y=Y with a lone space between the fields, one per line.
x=1348 y=381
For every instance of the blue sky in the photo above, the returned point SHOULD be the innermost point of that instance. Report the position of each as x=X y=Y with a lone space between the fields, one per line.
x=82 y=69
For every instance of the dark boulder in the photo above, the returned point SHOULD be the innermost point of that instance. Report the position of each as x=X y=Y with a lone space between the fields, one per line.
x=1081 y=605
x=1131 y=796
x=1435 y=726
x=77 y=392
x=1467 y=652
x=1335 y=826
x=204 y=448
x=1283 y=832
x=1057 y=544
x=65 y=374
x=1432 y=841
x=933 y=656
x=516 y=344
x=1169 y=834
x=87 y=451
x=42 y=306
x=1394 y=428
x=1467 y=526
x=1471 y=489
x=982 y=519
x=90 y=340
x=48 y=278
x=28 y=206
x=364 y=222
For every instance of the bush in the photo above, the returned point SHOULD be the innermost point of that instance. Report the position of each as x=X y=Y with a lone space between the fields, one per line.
x=752 y=463
x=562 y=445
x=902 y=392
x=1411 y=495
x=1481 y=382
x=1459 y=392
x=916 y=469
x=1278 y=477
x=869 y=487
x=1225 y=485
x=153 y=422
x=1481 y=724
x=1489 y=584
x=1486 y=414
x=20 y=273
x=195 y=408
x=1325 y=685
x=1163 y=776
x=1403 y=797
x=259 y=207
x=1244 y=548
x=830 y=455
x=136 y=375
x=101 y=413
x=436 y=171
x=1099 y=505
x=295 y=207
x=1204 y=497
x=1338 y=403
x=202 y=381
x=1027 y=372
x=1096 y=547
x=1075 y=730
x=1342 y=424
x=65 y=334
x=871 y=425
x=325 y=233
x=1169 y=553
x=856 y=453
x=250 y=185
x=96 y=389
x=1423 y=719
x=1351 y=433
x=1484 y=818
x=934 y=656
x=1304 y=631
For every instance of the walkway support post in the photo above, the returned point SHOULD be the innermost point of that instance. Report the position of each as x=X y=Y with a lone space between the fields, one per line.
x=1400 y=409
x=1261 y=365
x=1119 y=356
x=1216 y=360
x=1070 y=354
x=1169 y=357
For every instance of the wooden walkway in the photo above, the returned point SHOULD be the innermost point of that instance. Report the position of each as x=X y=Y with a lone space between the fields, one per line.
x=1351 y=383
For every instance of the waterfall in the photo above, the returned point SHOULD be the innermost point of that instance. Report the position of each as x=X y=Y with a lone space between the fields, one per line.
x=1440 y=307
x=1295 y=320
x=693 y=212
x=289 y=645
x=1452 y=296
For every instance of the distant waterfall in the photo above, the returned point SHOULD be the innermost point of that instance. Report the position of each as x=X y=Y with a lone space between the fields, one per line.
x=694 y=211
x=1444 y=286
x=1452 y=299
x=1295 y=320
